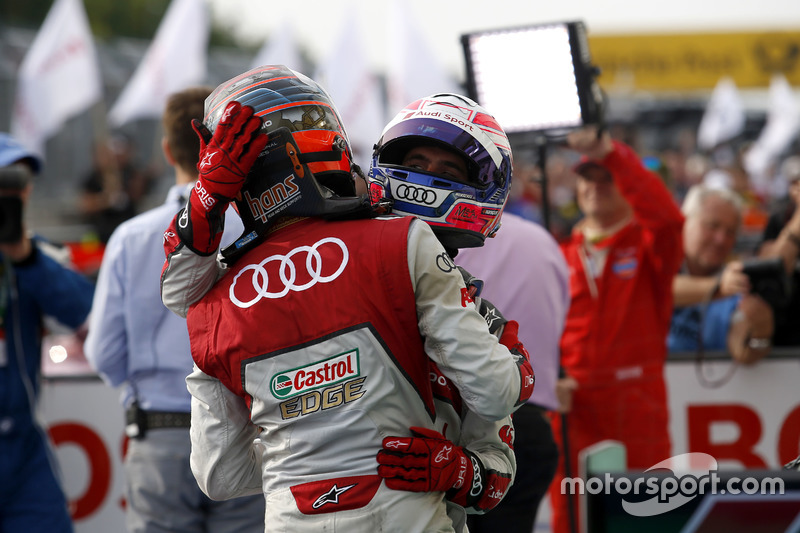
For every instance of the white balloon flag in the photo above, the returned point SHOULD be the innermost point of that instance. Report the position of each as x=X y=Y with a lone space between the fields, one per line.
x=175 y=60
x=354 y=88
x=724 y=117
x=413 y=70
x=280 y=49
x=59 y=76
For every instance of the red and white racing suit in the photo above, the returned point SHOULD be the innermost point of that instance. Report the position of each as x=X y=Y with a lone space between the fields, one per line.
x=614 y=341
x=314 y=345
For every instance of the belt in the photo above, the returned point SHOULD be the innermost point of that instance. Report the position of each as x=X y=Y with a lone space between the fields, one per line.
x=164 y=419
x=139 y=422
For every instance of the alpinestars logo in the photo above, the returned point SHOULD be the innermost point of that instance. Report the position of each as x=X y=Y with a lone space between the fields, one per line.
x=443 y=455
x=208 y=160
x=396 y=444
x=332 y=496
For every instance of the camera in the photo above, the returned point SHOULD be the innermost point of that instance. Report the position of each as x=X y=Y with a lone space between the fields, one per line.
x=768 y=279
x=13 y=180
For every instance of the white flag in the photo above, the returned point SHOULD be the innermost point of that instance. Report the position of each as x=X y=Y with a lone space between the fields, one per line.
x=780 y=129
x=175 y=60
x=355 y=90
x=783 y=117
x=413 y=71
x=280 y=49
x=724 y=118
x=58 y=78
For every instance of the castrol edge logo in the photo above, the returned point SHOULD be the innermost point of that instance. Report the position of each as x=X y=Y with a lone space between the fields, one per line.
x=316 y=375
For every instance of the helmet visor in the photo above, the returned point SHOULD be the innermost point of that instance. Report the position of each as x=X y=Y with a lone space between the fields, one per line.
x=408 y=134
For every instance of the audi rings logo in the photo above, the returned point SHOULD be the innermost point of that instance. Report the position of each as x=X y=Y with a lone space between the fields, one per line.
x=444 y=263
x=415 y=194
x=288 y=273
x=183 y=220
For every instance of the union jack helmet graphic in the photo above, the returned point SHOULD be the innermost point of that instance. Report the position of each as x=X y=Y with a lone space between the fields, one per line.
x=462 y=214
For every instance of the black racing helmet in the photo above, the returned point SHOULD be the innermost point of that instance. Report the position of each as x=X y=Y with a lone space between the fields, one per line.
x=307 y=167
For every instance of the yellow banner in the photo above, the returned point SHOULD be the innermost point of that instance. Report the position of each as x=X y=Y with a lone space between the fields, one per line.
x=695 y=60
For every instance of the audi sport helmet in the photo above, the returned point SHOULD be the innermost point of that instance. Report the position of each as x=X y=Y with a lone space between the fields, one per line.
x=307 y=166
x=461 y=214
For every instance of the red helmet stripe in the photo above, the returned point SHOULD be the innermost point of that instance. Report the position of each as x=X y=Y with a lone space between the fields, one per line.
x=244 y=89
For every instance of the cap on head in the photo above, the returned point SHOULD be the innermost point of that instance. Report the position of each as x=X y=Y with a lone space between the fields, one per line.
x=591 y=170
x=11 y=151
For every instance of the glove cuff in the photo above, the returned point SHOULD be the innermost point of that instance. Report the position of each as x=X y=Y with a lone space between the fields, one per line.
x=199 y=225
x=473 y=486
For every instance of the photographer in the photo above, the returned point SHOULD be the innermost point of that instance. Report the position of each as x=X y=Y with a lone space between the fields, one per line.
x=710 y=292
x=781 y=239
x=32 y=285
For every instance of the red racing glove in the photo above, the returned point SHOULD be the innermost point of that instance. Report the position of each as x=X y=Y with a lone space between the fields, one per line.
x=226 y=158
x=428 y=462
x=527 y=378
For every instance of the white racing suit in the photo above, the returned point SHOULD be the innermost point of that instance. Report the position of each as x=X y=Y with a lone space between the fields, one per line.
x=308 y=353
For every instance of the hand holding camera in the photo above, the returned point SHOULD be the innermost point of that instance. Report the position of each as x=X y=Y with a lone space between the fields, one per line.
x=733 y=280
x=14 y=181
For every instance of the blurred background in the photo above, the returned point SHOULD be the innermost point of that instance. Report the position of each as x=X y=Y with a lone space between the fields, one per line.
x=659 y=70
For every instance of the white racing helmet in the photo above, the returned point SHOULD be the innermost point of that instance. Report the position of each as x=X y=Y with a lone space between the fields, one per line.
x=461 y=214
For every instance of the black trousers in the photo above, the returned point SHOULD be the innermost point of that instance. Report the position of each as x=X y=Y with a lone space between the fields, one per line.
x=537 y=455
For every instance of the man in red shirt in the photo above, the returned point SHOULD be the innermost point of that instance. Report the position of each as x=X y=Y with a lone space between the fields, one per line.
x=622 y=256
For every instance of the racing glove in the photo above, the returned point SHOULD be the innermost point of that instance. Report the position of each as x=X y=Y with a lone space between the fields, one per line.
x=225 y=160
x=510 y=339
x=428 y=462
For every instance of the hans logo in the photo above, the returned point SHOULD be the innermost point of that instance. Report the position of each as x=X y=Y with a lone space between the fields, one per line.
x=316 y=375
x=273 y=199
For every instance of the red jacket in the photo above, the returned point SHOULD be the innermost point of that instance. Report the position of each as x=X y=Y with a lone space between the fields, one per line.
x=621 y=331
x=615 y=339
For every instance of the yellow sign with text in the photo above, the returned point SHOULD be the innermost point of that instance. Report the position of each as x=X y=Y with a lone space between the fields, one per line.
x=695 y=60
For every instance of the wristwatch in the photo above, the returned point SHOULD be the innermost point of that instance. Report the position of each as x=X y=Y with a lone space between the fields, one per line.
x=756 y=342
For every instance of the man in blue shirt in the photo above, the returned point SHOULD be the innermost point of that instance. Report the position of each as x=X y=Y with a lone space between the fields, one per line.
x=32 y=285
x=711 y=289
x=134 y=340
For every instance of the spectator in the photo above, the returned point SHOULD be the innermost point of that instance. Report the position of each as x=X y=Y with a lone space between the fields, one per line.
x=781 y=238
x=713 y=291
x=114 y=188
x=525 y=198
x=528 y=279
x=32 y=285
x=622 y=258
x=135 y=341
x=344 y=363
